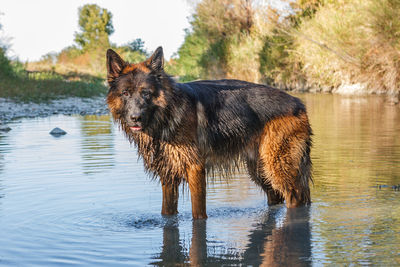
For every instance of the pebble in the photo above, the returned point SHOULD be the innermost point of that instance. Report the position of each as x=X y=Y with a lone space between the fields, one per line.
x=58 y=132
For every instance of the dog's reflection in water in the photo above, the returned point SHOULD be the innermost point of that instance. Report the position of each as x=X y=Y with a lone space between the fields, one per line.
x=281 y=238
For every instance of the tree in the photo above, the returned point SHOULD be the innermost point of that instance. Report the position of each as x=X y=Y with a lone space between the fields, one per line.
x=95 y=24
x=5 y=65
x=187 y=62
x=137 y=45
x=3 y=44
x=232 y=32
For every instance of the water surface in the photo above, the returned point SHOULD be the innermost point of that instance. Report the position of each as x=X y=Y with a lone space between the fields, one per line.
x=84 y=199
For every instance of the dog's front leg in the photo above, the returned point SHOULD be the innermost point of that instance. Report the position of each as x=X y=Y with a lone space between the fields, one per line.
x=197 y=186
x=170 y=199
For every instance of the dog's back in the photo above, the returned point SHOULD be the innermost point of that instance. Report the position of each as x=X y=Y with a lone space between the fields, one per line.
x=230 y=113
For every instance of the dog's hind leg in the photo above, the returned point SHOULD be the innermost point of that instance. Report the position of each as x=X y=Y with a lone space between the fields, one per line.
x=274 y=196
x=170 y=195
x=284 y=152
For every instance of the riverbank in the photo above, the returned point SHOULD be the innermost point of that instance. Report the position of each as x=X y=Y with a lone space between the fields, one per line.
x=11 y=110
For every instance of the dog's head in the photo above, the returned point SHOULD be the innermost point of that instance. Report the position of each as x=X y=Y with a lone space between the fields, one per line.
x=137 y=91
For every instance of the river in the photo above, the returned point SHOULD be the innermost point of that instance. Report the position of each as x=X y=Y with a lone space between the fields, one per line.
x=84 y=198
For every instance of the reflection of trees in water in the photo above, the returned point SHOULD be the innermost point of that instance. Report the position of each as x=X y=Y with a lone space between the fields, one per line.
x=356 y=139
x=97 y=147
x=279 y=239
x=356 y=146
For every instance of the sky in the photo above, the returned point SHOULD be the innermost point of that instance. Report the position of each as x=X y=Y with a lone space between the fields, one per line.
x=35 y=28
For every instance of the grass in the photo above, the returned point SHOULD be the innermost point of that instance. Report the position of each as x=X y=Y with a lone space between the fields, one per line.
x=46 y=86
x=70 y=73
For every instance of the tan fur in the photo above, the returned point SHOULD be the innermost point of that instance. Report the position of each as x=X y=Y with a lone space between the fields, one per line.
x=197 y=185
x=114 y=104
x=179 y=155
x=282 y=146
x=160 y=100
x=132 y=67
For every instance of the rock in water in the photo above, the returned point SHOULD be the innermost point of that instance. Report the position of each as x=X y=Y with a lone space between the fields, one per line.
x=57 y=132
x=4 y=128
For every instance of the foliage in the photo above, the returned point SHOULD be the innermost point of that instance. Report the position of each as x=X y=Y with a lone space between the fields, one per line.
x=5 y=65
x=87 y=58
x=233 y=33
x=241 y=39
x=273 y=57
x=303 y=9
x=187 y=63
x=224 y=42
x=45 y=84
x=47 y=88
x=130 y=56
x=21 y=85
x=133 y=51
x=18 y=84
x=95 y=25
x=352 y=42
x=318 y=44
x=279 y=63
x=137 y=45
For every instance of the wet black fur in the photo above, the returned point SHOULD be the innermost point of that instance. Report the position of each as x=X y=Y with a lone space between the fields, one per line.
x=228 y=113
x=236 y=110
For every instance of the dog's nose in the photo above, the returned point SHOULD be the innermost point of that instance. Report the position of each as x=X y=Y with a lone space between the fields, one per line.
x=135 y=117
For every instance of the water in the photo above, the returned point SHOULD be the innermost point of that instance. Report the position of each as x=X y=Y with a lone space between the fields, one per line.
x=84 y=199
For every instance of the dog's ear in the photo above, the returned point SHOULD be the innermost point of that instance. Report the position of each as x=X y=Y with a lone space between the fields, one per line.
x=115 y=65
x=156 y=61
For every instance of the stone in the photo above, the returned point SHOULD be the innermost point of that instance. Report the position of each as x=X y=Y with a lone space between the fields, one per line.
x=58 y=132
x=4 y=128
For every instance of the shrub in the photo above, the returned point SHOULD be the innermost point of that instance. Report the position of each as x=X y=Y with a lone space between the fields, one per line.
x=350 y=42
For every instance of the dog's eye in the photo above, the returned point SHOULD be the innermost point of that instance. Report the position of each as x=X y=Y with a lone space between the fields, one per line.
x=125 y=93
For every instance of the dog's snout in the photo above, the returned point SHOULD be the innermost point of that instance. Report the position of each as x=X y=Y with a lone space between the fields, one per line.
x=135 y=117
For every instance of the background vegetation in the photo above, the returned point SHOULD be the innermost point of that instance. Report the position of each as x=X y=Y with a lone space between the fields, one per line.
x=343 y=46
x=87 y=55
x=78 y=70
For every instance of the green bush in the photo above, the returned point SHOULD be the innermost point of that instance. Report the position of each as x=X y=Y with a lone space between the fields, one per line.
x=186 y=65
x=224 y=42
x=131 y=55
x=5 y=64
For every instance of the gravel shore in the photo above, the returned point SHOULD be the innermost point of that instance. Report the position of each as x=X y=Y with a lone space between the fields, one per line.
x=10 y=110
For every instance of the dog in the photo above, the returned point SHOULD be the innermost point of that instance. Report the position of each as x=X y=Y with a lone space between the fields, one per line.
x=185 y=131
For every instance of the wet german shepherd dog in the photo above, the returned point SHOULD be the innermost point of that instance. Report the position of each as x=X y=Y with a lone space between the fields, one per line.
x=184 y=131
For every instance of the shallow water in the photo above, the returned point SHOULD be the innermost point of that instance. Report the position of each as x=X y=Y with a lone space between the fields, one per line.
x=84 y=199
